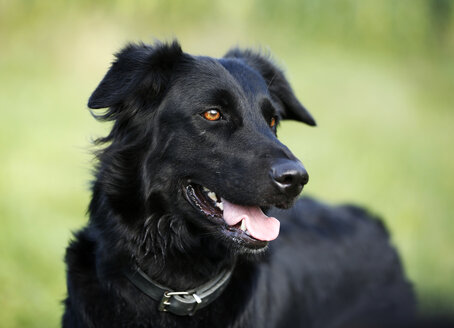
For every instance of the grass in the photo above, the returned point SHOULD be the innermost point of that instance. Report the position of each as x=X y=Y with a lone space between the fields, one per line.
x=384 y=141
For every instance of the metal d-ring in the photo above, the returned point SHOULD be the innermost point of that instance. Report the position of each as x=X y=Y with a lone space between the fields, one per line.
x=168 y=295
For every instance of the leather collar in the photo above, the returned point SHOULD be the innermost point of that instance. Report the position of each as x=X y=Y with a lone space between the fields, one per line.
x=179 y=303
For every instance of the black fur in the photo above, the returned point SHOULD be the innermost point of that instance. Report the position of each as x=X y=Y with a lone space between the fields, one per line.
x=329 y=267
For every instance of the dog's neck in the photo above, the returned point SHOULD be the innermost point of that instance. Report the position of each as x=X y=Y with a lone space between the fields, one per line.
x=183 y=271
x=159 y=251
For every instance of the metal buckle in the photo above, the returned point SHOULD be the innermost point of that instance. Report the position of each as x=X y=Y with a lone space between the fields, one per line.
x=168 y=295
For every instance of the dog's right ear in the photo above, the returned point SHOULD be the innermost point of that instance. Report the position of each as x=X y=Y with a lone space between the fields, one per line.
x=139 y=70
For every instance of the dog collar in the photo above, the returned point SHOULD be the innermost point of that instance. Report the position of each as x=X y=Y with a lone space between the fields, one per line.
x=179 y=303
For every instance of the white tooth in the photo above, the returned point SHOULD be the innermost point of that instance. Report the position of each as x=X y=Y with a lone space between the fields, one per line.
x=243 y=225
x=212 y=195
x=220 y=205
x=206 y=189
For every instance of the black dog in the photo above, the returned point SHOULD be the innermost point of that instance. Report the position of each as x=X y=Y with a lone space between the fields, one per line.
x=177 y=235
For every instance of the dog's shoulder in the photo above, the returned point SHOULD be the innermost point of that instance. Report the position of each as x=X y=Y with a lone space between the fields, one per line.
x=88 y=298
x=342 y=255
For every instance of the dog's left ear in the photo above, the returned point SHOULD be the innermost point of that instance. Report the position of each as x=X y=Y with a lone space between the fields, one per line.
x=279 y=88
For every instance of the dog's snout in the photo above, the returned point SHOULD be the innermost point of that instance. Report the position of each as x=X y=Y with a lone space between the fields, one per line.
x=289 y=176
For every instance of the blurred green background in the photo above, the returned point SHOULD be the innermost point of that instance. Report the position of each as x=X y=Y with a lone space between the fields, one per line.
x=377 y=75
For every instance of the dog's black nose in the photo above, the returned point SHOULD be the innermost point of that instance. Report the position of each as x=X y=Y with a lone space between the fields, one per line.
x=289 y=176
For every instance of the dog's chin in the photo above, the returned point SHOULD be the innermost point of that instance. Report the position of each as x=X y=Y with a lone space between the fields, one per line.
x=209 y=208
x=246 y=250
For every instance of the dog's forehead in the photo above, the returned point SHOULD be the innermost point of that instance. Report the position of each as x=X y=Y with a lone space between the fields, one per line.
x=249 y=79
x=226 y=73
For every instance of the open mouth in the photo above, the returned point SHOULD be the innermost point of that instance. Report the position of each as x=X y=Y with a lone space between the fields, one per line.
x=246 y=225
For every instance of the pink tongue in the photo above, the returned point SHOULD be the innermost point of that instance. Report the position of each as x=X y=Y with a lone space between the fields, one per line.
x=258 y=225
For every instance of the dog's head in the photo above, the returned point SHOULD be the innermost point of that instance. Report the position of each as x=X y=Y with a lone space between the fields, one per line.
x=194 y=141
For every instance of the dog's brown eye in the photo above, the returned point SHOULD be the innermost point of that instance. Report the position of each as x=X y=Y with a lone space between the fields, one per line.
x=273 y=122
x=212 y=115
